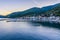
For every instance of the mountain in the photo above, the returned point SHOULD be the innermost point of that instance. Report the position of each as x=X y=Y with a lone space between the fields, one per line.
x=55 y=11
x=30 y=12
x=1 y=16
x=35 y=11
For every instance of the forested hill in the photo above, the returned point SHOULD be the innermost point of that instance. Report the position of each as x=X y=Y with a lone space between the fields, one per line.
x=35 y=11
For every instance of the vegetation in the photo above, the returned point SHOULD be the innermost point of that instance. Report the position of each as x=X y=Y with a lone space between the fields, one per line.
x=35 y=11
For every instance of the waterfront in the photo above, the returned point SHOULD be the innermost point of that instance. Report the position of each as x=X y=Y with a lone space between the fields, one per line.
x=27 y=31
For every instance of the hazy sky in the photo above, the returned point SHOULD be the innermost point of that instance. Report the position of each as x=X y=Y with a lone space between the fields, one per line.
x=8 y=6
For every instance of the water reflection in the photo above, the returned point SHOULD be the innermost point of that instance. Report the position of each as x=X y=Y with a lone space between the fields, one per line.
x=25 y=31
x=46 y=24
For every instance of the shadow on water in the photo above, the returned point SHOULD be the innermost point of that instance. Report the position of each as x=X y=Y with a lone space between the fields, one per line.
x=34 y=24
x=46 y=24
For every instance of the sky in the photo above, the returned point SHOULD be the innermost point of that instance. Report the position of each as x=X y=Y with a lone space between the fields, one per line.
x=9 y=6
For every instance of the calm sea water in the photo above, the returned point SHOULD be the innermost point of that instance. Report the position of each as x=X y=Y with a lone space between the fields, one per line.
x=26 y=31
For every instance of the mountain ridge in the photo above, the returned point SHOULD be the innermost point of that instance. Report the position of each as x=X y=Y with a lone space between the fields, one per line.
x=35 y=11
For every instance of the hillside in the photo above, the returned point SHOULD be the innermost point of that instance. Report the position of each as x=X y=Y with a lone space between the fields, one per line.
x=1 y=16
x=55 y=11
x=30 y=12
x=35 y=11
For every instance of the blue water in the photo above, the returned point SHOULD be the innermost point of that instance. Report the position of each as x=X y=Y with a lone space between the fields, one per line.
x=26 y=31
